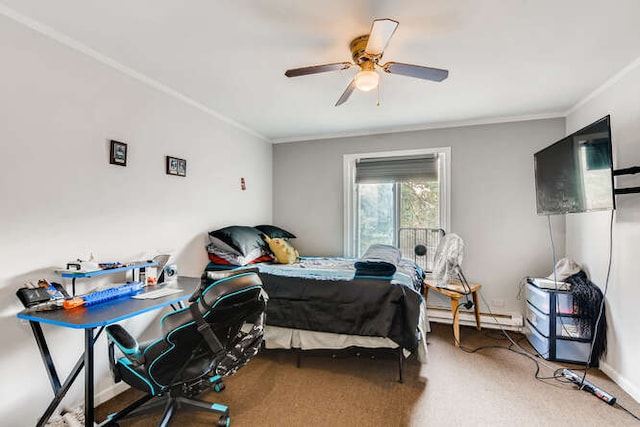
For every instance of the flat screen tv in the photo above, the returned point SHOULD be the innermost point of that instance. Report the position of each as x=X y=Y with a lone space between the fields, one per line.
x=576 y=173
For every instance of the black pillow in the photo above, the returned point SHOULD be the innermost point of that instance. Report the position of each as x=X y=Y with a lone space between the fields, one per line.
x=274 y=232
x=241 y=238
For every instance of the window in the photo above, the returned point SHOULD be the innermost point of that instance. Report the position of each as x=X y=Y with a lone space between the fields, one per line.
x=389 y=193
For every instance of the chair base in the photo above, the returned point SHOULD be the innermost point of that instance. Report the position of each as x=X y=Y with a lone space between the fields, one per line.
x=150 y=403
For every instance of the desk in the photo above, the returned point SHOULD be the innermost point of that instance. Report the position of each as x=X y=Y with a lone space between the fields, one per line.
x=456 y=291
x=90 y=318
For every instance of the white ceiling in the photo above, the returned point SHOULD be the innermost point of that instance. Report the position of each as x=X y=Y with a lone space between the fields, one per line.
x=507 y=58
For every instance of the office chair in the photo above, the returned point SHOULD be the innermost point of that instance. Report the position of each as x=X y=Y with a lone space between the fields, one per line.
x=200 y=344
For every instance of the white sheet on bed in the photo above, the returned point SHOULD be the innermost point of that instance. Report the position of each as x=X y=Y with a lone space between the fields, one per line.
x=286 y=338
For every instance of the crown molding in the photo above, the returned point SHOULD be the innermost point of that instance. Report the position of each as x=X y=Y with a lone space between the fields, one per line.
x=606 y=85
x=414 y=128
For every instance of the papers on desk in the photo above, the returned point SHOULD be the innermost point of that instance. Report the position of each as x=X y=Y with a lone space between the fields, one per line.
x=158 y=293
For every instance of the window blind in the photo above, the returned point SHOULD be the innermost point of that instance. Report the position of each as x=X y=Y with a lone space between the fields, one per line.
x=395 y=169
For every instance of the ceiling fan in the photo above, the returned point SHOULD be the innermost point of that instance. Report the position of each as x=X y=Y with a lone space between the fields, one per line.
x=366 y=51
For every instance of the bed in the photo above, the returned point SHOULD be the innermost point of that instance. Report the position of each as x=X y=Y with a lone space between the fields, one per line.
x=324 y=303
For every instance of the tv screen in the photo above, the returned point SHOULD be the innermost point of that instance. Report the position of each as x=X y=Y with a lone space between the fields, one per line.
x=576 y=173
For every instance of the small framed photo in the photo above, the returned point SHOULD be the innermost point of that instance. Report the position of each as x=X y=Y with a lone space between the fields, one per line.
x=118 y=153
x=176 y=166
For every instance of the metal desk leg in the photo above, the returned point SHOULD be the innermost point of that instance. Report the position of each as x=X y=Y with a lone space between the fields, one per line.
x=62 y=391
x=46 y=356
x=59 y=391
x=88 y=377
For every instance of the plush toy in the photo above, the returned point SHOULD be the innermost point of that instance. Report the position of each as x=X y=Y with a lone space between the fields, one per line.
x=284 y=252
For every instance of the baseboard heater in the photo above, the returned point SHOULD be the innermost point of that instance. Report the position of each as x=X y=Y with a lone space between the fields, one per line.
x=508 y=321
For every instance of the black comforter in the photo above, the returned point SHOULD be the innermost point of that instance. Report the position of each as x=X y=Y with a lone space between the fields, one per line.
x=321 y=294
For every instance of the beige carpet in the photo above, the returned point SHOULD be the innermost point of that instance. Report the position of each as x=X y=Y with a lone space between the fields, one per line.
x=492 y=387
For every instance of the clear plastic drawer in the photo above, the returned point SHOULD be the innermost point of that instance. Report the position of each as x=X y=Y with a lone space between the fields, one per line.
x=541 y=299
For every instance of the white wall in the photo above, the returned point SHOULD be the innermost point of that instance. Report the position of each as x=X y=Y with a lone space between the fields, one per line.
x=588 y=234
x=493 y=197
x=61 y=199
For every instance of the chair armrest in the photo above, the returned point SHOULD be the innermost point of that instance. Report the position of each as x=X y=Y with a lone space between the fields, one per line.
x=126 y=343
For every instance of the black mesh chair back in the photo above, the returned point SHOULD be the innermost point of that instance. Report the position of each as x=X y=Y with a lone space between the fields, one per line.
x=213 y=337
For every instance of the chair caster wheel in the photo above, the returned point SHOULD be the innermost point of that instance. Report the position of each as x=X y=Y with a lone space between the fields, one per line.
x=218 y=387
x=224 y=421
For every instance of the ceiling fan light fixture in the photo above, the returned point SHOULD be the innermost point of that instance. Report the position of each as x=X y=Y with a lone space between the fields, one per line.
x=367 y=51
x=367 y=80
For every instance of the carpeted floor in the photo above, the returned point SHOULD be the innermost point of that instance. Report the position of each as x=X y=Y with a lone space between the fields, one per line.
x=492 y=387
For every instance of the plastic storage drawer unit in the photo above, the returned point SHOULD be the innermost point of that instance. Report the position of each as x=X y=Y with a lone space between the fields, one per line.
x=558 y=349
x=543 y=299
x=537 y=340
x=565 y=326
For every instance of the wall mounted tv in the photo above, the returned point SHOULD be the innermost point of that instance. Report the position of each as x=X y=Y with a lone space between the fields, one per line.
x=576 y=173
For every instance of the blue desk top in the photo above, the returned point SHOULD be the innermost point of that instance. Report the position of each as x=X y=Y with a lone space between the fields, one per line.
x=113 y=311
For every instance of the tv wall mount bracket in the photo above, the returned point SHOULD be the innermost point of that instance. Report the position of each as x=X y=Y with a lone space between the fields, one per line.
x=628 y=171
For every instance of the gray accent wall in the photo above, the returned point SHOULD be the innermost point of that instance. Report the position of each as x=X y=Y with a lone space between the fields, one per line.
x=492 y=197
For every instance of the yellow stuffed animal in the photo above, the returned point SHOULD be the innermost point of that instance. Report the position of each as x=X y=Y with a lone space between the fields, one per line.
x=282 y=250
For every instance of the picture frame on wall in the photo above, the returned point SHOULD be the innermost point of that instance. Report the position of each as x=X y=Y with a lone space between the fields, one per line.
x=176 y=166
x=118 y=153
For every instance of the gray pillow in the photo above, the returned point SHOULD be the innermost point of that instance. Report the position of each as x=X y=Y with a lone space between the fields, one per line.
x=275 y=232
x=240 y=238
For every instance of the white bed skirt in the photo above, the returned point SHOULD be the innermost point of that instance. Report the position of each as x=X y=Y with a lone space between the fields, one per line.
x=287 y=338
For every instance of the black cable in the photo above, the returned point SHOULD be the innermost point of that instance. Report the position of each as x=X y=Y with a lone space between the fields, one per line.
x=553 y=250
x=497 y=336
x=626 y=410
x=606 y=287
x=600 y=312
x=465 y=286
x=511 y=348
x=555 y=277
x=604 y=294
x=555 y=282
x=557 y=373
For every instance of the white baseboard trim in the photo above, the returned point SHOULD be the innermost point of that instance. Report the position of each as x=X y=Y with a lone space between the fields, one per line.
x=99 y=398
x=508 y=321
x=620 y=380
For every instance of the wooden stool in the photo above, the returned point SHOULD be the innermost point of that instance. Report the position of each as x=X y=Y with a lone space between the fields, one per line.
x=455 y=291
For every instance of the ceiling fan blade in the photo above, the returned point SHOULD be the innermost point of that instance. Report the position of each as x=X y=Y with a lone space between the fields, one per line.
x=381 y=32
x=417 y=71
x=347 y=93
x=315 y=69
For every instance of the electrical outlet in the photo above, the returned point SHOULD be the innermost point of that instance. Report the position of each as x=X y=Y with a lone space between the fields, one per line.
x=497 y=302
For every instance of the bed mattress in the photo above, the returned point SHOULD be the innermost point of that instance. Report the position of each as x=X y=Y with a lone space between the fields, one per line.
x=287 y=338
x=322 y=294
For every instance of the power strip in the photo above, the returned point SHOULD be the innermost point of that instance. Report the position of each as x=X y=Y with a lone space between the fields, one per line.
x=587 y=386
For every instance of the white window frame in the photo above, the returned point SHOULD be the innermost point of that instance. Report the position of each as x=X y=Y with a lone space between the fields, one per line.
x=350 y=194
